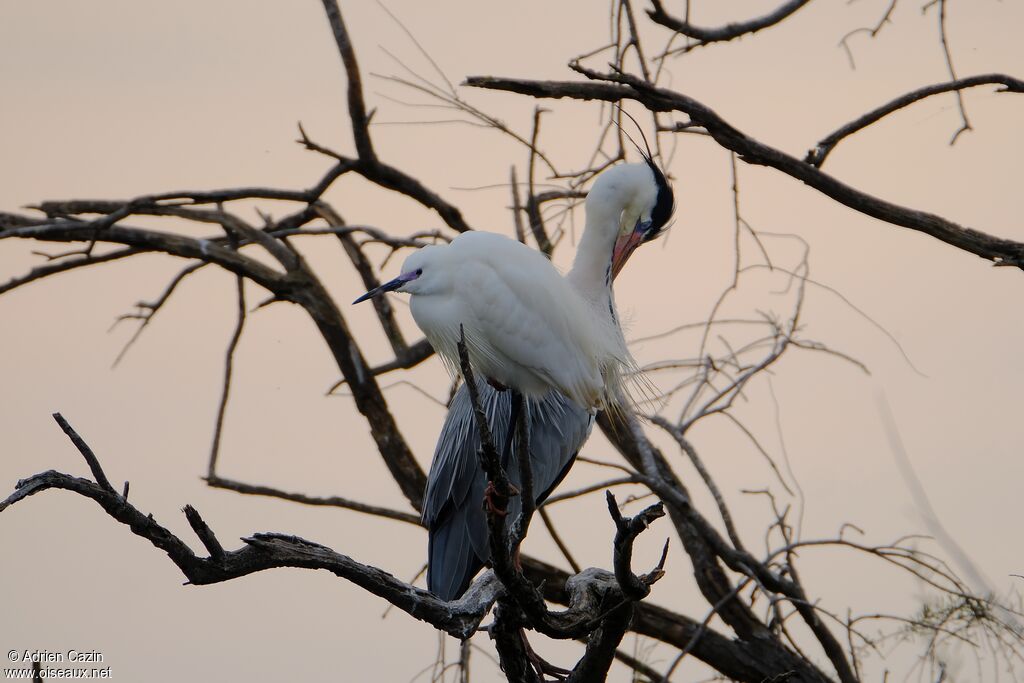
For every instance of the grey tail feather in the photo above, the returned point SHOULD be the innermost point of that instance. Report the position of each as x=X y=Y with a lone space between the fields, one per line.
x=452 y=561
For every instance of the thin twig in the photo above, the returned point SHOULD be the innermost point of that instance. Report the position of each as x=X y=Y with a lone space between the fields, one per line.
x=83 y=448
x=229 y=363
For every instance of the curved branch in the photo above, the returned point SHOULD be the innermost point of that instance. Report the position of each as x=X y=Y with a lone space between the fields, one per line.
x=267 y=551
x=299 y=285
x=262 y=551
x=626 y=530
x=588 y=594
x=705 y=547
x=368 y=165
x=816 y=156
x=739 y=660
x=391 y=178
x=218 y=482
x=413 y=356
x=192 y=197
x=617 y=87
x=356 y=106
x=730 y=657
x=48 y=269
x=724 y=33
x=381 y=304
x=369 y=400
x=143 y=239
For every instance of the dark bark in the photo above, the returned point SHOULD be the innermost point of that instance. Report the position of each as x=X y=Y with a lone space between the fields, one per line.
x=617 y=87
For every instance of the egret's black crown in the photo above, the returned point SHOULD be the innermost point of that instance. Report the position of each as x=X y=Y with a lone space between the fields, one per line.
x=663 y=206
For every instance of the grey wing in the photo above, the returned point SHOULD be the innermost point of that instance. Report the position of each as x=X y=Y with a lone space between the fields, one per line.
x=453 y=505
x=558 y=430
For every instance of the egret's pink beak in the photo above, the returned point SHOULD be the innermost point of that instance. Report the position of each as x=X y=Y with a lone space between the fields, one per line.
x=625 y=245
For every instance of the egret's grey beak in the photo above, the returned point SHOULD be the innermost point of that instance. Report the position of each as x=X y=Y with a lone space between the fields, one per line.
x=626 y=244
x=389 y=286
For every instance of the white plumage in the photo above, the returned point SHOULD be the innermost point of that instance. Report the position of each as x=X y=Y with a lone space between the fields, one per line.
x=526 y=327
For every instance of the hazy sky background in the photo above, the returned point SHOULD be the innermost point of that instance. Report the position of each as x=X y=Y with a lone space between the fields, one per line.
x=113 y=99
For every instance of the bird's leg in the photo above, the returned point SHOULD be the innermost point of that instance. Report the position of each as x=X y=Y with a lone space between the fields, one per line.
x=514 y=411
x=492 y=501
x=527 y=498
x=540 y=665
x=495 y=502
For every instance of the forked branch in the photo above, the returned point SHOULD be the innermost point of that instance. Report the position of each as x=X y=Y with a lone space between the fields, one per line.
x=705 y=35
x=597 y=601
x=616 y=87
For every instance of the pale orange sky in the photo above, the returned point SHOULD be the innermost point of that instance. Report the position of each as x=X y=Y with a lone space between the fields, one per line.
x=114 y=99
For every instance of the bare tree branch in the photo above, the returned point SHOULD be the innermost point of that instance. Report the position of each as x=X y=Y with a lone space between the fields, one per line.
x=53 y=268
x=871 y=31
x=83 y=448
x=816 y=157
x=381 y=305
x=965 y=124
x=537 y=227
x=300 y=285
x=368 y=165
x=415 y=354
x=627 y=529
x=229 y=364
x=704 y=36
x=219 y=482
x=617 y=87
x=149 y=309
x=261 y=552
x=755 y=597
x=356 y=108
x=557 y=538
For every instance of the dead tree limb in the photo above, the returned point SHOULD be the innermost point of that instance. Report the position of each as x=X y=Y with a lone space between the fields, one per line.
x=727 y=32
x=368 y=164
x=597 y=602
x=617 y=87
x=816 y=156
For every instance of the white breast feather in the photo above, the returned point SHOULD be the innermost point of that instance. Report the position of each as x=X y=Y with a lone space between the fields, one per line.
x=525 y=325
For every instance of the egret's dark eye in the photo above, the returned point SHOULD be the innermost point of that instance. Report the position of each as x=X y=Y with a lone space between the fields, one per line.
x=419 y=271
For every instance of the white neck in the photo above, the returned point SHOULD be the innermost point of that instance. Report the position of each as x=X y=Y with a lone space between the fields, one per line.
x=591 y=270
x=616 y=198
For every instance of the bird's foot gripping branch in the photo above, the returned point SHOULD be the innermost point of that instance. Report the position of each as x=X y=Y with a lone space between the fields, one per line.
x=600 y=603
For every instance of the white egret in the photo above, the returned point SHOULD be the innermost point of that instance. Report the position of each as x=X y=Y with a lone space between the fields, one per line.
x=556 y=340
x=526 y=327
